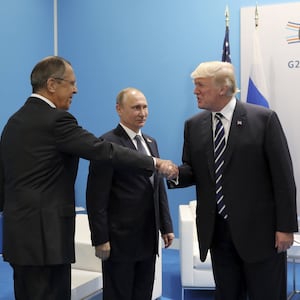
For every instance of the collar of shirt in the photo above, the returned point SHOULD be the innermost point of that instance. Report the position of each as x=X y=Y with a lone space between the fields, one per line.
x=132 y=135
x=43 y=98
x=227 y=112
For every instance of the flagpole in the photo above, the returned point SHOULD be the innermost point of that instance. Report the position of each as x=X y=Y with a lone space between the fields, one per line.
x=227 y=16
x=226 y=47
x=256 y=16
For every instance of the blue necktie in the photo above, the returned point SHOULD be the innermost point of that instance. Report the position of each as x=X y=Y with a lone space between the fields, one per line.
x=220 y=144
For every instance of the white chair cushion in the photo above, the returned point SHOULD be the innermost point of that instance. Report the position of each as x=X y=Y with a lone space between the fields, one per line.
x=85 y=252
x=193 y=205
x=194 y=273
x=198 y=264
x=85 y=283
x=293 y=254
x=203 y=278
x=87 y=270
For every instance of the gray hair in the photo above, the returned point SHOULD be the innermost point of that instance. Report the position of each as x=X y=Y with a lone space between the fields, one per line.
x=122 y=94
x=51 y=66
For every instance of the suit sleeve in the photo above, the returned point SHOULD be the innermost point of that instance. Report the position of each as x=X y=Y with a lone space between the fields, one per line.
x=97 y=199
x=166 y=225
x=1 y=183
x=73 y=139
x=186 y=175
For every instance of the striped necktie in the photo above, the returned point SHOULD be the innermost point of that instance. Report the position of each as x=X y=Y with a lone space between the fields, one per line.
x=220 y=144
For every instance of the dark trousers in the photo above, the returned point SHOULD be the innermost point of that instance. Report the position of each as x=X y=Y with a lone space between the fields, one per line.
x=238 y=280
x=42 y=282
x=132 y=280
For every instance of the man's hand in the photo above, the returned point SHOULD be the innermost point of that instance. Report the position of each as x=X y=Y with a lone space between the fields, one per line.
x=168 y=239
x=283 y=241
x=103 y=251
x=167 y=168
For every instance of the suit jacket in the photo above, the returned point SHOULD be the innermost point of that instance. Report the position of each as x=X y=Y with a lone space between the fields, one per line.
x=40 y=148
x=258 y=181
x=124 y=208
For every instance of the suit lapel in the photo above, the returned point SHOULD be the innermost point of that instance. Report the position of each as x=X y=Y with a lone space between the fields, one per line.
x=124 y=138
x=150 y=145
x=126 y=141
x=207 y=138
x=238 y=122
x=153 y=151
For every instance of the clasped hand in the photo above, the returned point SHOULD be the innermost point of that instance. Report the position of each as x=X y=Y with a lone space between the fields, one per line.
x=167 y=168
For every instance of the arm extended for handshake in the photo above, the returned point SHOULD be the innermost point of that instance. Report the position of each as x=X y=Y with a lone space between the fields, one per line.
x=167 y=168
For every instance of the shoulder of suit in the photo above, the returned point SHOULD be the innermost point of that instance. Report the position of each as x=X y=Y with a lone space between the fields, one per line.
x=254 y=108
x=107 y=134
x=64 y=115
x=113 y=135
x=202 y=115
x=40 y=107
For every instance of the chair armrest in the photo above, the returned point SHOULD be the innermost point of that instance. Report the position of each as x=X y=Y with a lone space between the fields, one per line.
x=157 y=286
x=186 y=240
x=84 y=251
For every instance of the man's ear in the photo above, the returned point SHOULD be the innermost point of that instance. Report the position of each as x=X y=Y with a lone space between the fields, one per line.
x=51 y=85
x=118 y=108
x=224 y=90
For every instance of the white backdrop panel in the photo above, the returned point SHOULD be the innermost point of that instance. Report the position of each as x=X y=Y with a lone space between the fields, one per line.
x=278 y=26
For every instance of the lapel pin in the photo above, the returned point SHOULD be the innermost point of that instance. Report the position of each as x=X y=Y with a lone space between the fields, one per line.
x=149 y=141
x=239 y=123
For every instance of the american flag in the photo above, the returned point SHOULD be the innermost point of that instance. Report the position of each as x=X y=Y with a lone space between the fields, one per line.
x=226 y=47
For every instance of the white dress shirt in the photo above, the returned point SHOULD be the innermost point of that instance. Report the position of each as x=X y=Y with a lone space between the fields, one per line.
x=227 y=113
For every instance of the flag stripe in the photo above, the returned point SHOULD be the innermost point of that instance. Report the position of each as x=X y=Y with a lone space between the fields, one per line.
x=255 y=96
x=226 y=47
x=257 y=89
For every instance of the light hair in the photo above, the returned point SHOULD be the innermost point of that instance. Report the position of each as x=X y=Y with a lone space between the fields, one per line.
x=221 y=72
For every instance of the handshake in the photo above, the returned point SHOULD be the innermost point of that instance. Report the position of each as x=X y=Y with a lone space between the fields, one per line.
x=167 y=168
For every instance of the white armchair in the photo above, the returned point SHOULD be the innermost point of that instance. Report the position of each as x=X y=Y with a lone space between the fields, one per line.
x=293 y=257
x=157 y=287
x=87 y=271
x=194 y=273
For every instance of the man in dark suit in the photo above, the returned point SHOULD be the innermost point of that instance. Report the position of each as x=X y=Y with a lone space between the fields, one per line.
x=251 y=227
x=126 y=210
x=40 y=147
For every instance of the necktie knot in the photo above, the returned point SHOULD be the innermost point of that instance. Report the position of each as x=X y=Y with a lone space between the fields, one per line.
x=219 y=116
x=138 y=137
